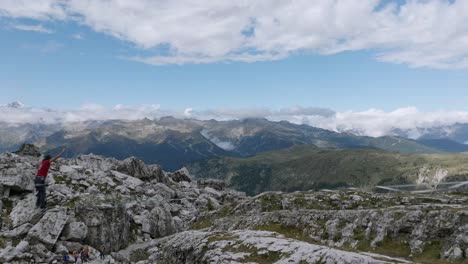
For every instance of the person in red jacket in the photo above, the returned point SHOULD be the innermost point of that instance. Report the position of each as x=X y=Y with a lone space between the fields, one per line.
x=41 y=176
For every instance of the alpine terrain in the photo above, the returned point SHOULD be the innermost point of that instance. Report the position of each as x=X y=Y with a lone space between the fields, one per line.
x=138 y=213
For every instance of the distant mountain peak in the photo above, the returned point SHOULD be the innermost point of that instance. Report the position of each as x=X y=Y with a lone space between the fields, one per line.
x=168 y=118
x=254 y=119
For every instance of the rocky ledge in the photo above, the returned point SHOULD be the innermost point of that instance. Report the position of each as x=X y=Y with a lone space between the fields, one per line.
x=141 y=214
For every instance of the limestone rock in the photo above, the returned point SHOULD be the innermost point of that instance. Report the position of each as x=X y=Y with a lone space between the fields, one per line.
x=108 y=223
x=19 y=231
x=72 y=172
x=41 y=253
x=75 y=231
x=454 y=253
x=18 y=252
x=28 y=150
x=129 y=182
x=49 y=228
x=157 y=221
x=61 y=249
x=15 y=173
x=164 y=191
x=24 y=211
x=212 y=192
x=244 y=246
x=181 y=175
x=138 y=169
x=218 y=185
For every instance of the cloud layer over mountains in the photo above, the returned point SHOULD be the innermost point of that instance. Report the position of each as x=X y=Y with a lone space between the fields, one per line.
x=372 y=122
x=429 y=33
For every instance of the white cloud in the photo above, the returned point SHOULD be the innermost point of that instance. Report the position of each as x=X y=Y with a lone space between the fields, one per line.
x=35 y=28
x=420 y=33
x=226 y=145
x=37 y=9
x=78 y=36
x=228 y=114
x=295 y=113
x=372 y=122
x=188 y=112
x=11 y=114
x=203 y=59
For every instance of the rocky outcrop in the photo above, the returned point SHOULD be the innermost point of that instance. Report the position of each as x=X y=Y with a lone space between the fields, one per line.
x=75 y=231
x=98 y=202
x=16 y=174
x=154 y=216
x=247 y=246
x=107 y=223
x=49 y=228
x=181 y=175
x=138 y=169
x=28 y=150
x=405 y=225
x=24 y=211
x=218 y=185
x=18 y=253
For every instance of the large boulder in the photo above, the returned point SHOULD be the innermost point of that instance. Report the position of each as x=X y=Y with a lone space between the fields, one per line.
x=17 y=232
x=128 y=182
x=138 y=169
x=218 y=185
x=16 y=173
x=41 y=254
x=72 y=172
x=24 y=211
x=49 y=228
x=154 y=217
x=163 y=190
x=75 y=231
x=107 y=221
x=181 y=175
x=94 y=162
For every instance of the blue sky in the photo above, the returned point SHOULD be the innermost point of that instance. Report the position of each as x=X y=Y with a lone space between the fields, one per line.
x=48 y=66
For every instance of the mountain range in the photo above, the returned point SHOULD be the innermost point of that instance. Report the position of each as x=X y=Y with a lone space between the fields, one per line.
x=174 y=142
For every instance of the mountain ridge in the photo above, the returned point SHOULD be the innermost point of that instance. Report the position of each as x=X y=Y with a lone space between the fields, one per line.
x=155 y=141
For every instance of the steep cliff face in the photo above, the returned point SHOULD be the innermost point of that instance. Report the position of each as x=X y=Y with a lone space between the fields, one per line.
x=141 y=214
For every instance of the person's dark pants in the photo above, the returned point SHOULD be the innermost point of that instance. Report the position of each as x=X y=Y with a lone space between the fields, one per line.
x=41 y=192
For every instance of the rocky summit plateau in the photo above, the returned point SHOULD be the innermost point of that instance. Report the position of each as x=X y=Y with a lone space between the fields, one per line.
x=142 y=214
